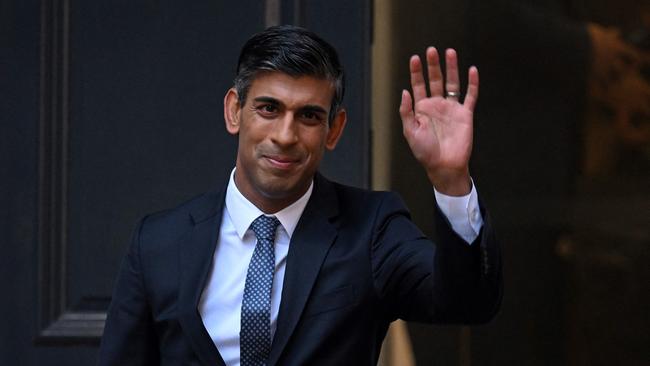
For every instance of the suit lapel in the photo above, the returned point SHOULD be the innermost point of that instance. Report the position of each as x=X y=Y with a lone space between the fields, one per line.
x=310 y=243
x=196 y=254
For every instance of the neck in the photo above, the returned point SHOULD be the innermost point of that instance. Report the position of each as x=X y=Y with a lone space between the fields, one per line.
x=268 y=201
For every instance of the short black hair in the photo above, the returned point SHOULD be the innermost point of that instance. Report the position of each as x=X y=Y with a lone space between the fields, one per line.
x=294 y=51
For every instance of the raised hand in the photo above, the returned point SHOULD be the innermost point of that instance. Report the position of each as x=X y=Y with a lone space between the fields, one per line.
x=439 y=128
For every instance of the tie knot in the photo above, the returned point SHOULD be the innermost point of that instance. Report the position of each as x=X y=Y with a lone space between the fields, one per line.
x=265 y=226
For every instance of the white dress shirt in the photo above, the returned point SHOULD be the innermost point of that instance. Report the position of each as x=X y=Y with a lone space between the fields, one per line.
x=462 y=212
x=220 y=304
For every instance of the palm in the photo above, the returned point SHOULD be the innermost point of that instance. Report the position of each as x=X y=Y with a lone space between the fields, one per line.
x=442 y=133
x=439 y=129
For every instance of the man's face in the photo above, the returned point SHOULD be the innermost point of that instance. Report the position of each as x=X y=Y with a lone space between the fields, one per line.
x=283 y=132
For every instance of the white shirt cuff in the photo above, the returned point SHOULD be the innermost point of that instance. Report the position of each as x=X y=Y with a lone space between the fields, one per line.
x=462 y=212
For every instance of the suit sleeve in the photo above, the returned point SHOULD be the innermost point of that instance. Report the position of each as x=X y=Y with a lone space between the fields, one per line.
x=129 y=337
x=441 y=281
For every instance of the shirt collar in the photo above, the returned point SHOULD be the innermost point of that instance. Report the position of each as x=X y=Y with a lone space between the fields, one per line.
x=243 y=212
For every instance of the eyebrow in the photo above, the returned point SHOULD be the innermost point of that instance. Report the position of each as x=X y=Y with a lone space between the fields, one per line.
x=306 y=108
x=313 y=109
x=267 y=100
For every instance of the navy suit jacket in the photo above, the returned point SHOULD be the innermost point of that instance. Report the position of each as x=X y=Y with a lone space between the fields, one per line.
x=356 y=262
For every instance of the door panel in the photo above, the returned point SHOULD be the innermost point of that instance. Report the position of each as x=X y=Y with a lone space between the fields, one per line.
x=114 y=111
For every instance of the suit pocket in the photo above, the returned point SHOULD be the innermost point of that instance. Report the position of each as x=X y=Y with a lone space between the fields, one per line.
x=335 y=299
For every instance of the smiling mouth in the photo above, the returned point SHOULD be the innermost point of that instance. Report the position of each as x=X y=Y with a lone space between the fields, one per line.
x=280 y=162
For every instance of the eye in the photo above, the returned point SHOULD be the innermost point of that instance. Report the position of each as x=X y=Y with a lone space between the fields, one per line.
x=311 y=117
x=267 y=110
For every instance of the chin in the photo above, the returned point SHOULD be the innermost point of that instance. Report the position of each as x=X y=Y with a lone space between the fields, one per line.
x=279 y=191
x=282 y=188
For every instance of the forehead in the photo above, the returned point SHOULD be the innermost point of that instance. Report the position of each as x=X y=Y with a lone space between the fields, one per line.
x=292 y=91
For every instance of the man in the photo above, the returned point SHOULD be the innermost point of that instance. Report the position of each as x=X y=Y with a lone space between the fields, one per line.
x=285 y=267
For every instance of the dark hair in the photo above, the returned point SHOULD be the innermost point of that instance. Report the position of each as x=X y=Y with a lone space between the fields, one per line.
x=294 y=51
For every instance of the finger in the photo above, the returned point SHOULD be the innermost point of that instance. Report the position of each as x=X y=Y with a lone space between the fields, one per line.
x=417 y=79
x=472 y=88
x=406 y=111
x=452 y=84
x=434 y=73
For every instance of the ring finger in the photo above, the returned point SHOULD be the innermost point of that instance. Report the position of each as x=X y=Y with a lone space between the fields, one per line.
x=452 y=84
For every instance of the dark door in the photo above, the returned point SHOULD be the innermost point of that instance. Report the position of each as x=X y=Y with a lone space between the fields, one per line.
x=113 y=109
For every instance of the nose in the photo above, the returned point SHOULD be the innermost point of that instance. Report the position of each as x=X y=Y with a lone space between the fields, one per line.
x=284 y=130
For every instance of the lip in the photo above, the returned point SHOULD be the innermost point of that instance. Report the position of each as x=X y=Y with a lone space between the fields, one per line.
x=281 y=162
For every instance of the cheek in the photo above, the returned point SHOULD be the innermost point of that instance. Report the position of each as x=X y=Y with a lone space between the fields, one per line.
x=315 y=139
x=249 y=138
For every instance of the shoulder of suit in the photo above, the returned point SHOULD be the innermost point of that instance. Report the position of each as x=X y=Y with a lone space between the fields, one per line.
x=366 y=198
x=181 y=215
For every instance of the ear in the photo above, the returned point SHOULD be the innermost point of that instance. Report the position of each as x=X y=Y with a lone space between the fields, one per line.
x=232 y=111
x=336 y=129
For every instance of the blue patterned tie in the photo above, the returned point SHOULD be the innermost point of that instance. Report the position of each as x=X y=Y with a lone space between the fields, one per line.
x=255 y=334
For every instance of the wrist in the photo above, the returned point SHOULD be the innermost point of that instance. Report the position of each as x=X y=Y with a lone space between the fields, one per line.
x=451 y=183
